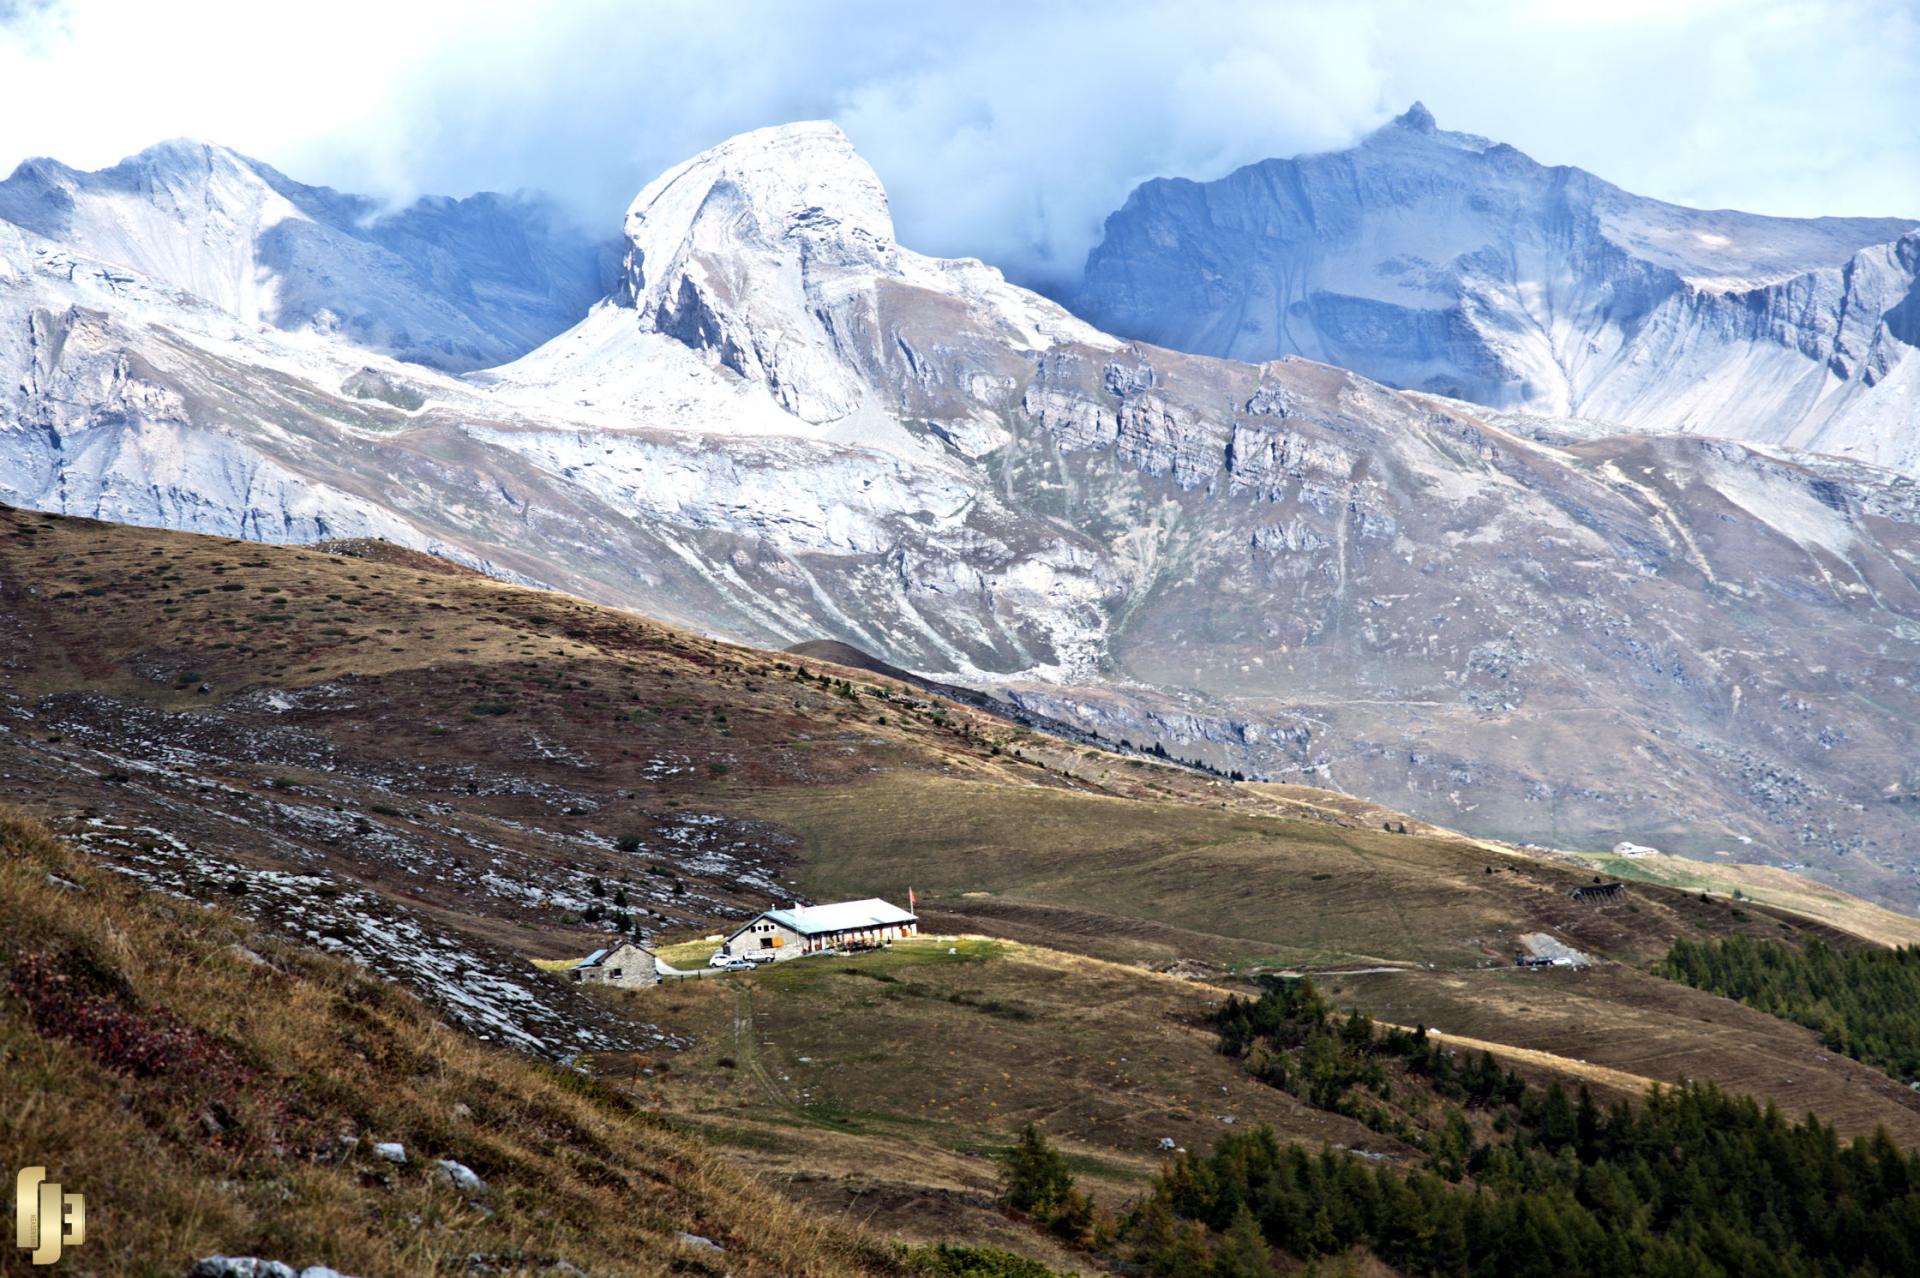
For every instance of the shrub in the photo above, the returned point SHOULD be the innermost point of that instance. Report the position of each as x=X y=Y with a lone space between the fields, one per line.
x=1033 y=1174
x=948 y=1261
x=73 y=997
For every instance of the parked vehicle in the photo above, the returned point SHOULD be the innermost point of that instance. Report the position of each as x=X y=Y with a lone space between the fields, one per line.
x=731 y=962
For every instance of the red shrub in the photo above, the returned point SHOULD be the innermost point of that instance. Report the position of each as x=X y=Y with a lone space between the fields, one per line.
x=142 y=1044
x=190 y=1073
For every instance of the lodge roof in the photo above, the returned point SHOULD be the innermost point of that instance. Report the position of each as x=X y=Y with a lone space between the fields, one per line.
x=842 y=916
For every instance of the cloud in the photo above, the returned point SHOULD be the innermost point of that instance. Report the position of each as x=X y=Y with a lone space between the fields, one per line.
x=1002 y=130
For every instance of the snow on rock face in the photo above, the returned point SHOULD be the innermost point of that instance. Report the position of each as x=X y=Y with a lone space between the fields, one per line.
x=733 y=252
x=772 y=254
x=455 y=284
x=1444 y=262
x=796 y=496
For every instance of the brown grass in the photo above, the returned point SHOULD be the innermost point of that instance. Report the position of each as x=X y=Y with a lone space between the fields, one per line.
x=172 y=1173
x=1613 y=1020
x=879 y=1084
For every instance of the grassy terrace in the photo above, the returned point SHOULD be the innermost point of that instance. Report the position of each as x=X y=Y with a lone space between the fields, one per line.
x=885 y=1080
x=1152 y=881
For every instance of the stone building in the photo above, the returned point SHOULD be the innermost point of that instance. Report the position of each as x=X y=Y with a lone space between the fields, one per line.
x=629 y=965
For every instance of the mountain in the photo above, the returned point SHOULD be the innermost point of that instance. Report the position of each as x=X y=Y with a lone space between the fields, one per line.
x=1442 y=262
x=455 y=284
x=784 y=426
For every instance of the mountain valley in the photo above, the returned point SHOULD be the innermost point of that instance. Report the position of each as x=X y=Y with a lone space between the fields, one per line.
x=1342 y=702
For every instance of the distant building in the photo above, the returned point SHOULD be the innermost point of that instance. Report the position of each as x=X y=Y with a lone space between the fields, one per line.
x=809 y=929
x=629 y=965
x=1599 y=893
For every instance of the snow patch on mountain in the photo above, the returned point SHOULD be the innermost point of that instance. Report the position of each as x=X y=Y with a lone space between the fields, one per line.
x=799 y=496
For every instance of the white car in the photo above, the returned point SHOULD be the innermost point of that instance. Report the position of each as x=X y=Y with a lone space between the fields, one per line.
x=761 y=956
x=727 y=962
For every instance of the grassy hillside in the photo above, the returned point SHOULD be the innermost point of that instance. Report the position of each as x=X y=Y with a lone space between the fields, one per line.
x=878 y=1085
x=1155 y=880
x=447 y=778
x=1865 y=1003
x=1519 y=1180
x=211 y=1089
x=1764 y=885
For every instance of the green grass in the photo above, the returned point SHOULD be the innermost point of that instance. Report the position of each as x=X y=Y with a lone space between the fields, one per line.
x=686 y=954
x=1221 y=885
x=937 y=1050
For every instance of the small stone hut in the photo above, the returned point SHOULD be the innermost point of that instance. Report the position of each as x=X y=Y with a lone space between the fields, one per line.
x=629 y=965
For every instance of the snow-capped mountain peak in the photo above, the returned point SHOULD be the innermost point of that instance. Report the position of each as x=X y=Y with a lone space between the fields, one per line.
x=1417 y=125
x=763 y=191
x=772 y=257
x=1417 y=118
x=743 y=250
x=453 y=284
x=185 y=212
x=1443 y=262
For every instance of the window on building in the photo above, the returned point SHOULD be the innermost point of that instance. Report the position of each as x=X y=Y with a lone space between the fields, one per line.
x=615 y=973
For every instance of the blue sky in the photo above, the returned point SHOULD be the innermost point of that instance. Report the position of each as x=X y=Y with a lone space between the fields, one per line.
x=1002 y=130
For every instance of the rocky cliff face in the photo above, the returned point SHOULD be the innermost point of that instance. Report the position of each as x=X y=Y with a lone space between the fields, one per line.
x=1443 y=262
x=455 y=284
x=786 y=426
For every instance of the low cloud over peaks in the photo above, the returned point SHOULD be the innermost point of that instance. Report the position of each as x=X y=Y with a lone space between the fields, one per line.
x=1002 y=130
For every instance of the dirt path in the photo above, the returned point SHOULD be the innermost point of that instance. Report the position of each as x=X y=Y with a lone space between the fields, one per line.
x=747 y=1051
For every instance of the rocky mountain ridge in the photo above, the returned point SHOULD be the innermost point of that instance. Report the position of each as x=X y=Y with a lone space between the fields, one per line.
x=1443 y=262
